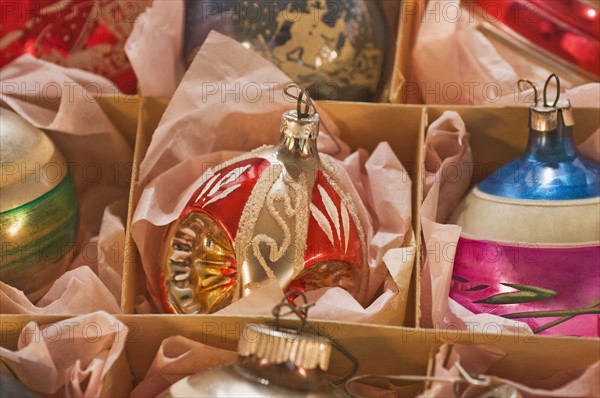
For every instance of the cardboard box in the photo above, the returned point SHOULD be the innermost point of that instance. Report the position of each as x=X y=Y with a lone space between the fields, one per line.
x=379 y=349
x=386 y=349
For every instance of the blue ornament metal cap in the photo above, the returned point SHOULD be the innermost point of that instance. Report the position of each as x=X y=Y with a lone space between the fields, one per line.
x=551 y=167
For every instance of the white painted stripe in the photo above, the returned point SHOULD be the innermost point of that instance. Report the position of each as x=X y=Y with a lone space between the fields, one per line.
x=223 y=194
x=235 y=174
x=207 y=186
x=322 y=221
x=331 y=210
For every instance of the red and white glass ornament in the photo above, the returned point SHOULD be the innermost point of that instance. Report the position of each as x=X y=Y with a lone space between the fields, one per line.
x=84 y=34
x=277 y=213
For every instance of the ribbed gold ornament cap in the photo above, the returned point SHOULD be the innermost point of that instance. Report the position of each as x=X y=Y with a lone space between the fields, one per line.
x=279 y=346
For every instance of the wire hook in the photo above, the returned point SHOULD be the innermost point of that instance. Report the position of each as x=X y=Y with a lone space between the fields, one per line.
x=465 y=377
x=301 y=312
x=303 y=97
x=533 y=86
x=557 y=89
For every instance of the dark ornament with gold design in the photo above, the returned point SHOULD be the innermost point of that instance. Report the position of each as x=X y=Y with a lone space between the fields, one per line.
x=335 y=48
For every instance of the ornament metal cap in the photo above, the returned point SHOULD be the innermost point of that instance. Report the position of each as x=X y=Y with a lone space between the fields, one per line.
x=308 y=351
x=299 y=129
x=303 y=127
x=544 y=116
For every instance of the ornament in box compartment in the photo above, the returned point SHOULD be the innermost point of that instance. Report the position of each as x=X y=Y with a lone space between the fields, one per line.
x=564 y=34
x=39 y=209
x=335 y=48
x=272 y=362
x=88 y=35
x=530 y=243
x=277 y=213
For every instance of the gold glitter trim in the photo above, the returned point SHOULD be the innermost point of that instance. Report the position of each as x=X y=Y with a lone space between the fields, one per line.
x=250 y=215
x=302 y=201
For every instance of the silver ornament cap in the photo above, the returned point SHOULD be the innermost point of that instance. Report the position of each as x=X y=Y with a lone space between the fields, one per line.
x=304 y=127
x=548 y=116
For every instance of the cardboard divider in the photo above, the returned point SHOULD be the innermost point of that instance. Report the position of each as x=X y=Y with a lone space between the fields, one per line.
x=149 y=114
x=123 y=113
x=411 y=14
x=378 y=349
x=404 y=128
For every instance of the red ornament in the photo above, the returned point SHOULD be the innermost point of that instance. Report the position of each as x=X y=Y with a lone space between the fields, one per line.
x=84 y=34
x=274 y=214
x=567 y=29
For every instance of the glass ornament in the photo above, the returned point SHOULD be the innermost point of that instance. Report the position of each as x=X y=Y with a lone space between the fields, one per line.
x=88 y=35
x=39 y=208
x=277 y=213
x=335 y=48
x=272 y=362
x=530 y=243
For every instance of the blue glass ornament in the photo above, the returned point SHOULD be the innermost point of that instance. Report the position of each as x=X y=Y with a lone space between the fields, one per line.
x=551 y=168
x=530 y=242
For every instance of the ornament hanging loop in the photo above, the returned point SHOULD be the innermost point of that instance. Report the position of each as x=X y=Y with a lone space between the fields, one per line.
x=310 y=108
x=464 y=378
x=533 y=86
x=300 y=311
x=305 y=114
x=301 y=98
x=557 y=90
